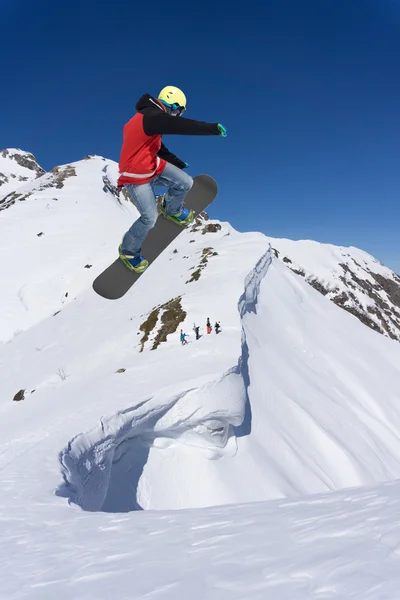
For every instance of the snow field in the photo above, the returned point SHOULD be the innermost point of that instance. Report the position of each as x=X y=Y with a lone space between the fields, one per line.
x=294 y=397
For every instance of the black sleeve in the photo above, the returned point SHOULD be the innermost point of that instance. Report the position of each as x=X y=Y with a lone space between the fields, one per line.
x=154 y=124
x=169 y=157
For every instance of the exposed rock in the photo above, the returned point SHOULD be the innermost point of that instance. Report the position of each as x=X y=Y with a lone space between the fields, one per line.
x=362 y=317
x=340 y=299
x=19 y=396
x=169 y=315
x=372 y=297
x=11 y=199
x=61 y=174
x=206 y=254
x=199 y=221
x=211 y=228
x=23 y=159
x=29 y=162
x=392 y=288
x=317 y=285
x=195 y=275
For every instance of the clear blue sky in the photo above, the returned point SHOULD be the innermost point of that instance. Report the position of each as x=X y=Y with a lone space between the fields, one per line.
x=309 y=91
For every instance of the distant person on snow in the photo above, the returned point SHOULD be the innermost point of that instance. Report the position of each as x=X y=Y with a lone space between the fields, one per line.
x=196 y=329
x=108 y=186
x=217 y=327
x=145 y=162
x=183 y=337
x=208 y=325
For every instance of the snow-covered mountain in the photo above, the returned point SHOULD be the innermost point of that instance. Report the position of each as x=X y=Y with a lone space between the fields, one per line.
x=104 y=412
x=16 y=169
x=350 y=277
x=69 y=227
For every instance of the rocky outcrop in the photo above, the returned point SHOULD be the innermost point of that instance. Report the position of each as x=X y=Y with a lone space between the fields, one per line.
x=23 y=159
x=54 y=179
x=359 y=284
x=17 y=169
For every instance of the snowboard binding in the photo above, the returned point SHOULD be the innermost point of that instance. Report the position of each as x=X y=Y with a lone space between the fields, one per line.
x=182 y=218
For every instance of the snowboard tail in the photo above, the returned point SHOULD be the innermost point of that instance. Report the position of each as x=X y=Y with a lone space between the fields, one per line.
x=116 y=280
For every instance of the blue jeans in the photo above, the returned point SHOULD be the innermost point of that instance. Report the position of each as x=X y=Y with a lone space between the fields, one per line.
x=143 y=197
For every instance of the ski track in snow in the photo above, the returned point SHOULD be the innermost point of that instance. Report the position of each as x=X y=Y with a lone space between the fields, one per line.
x=101 y=469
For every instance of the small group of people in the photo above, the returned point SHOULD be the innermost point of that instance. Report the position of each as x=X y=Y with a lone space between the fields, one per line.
x=196 y=329
x=217 y=326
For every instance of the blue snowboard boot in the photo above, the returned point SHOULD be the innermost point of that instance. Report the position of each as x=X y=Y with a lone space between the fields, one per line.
x=134 y=263
x=183 y=217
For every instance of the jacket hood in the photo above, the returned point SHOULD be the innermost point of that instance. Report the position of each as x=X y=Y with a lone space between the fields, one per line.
x=147 y=101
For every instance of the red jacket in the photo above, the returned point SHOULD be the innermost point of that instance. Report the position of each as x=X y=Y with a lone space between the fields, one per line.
x=143 y=155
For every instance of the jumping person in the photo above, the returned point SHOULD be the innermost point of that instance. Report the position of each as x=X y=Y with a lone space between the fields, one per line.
x=145 y=162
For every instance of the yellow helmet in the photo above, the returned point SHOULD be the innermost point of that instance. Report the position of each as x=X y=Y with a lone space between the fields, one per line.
x=173 y=97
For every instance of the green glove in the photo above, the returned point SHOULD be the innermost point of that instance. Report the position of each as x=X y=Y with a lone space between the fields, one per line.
x=221 y=130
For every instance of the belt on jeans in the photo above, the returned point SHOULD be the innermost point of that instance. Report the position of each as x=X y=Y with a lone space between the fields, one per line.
x=142 y=175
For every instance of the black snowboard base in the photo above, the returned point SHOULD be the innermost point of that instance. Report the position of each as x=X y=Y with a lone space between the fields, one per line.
x=117 y=279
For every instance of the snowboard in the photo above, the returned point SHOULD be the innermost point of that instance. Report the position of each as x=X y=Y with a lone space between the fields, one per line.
x=117 y=279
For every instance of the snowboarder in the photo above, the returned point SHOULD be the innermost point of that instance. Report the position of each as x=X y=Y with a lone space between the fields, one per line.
x=196 y=329
x=183 y=337
x=217 y=327
x=208 y=325
x=145 y=162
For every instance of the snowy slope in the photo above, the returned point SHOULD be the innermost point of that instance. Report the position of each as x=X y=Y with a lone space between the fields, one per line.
x=287 y=364
x=295 y=396
x=340 y=545
x=69 y=229
x=350 y=277
x=16 y=169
